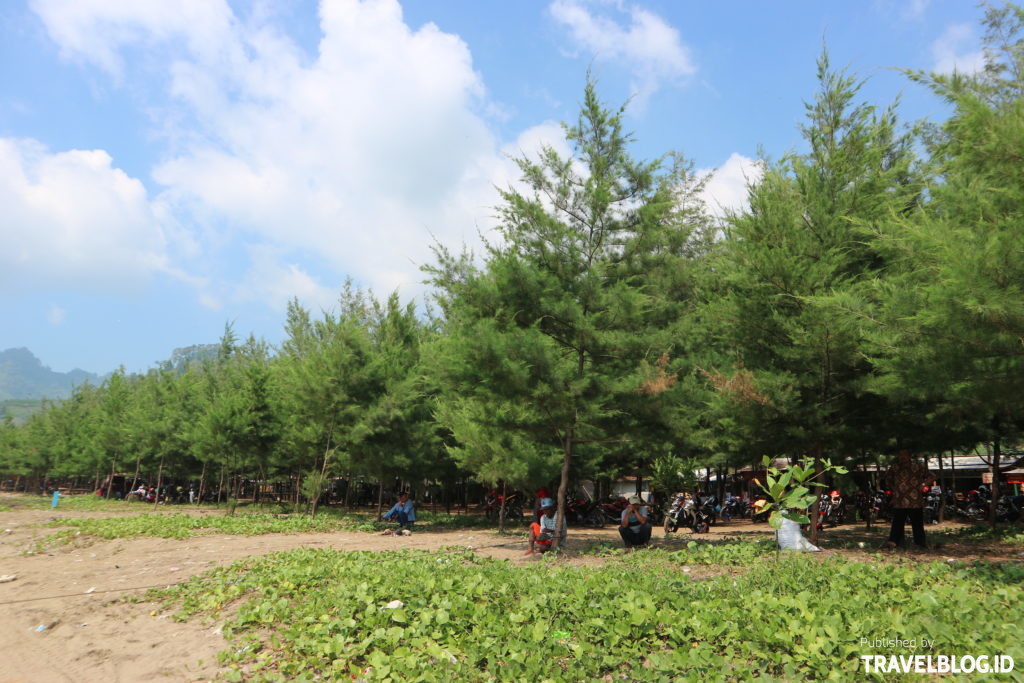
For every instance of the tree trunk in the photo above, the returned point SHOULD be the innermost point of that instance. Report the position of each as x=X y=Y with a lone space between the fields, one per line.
x=110 y=484
x=159 y=482
x=869 y=499
x=942 y=486
x=380 y=496
x=501 y=510
x=220 y=486
x=996 y=488
x=819 y=450
x=952 y=474
x=563 y=485
x=135 y=478
x=202 y=480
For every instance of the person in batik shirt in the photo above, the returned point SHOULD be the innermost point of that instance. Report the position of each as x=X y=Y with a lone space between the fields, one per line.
x=906 y=479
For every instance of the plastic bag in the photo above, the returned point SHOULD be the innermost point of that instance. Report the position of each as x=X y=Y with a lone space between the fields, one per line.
x=790 y=538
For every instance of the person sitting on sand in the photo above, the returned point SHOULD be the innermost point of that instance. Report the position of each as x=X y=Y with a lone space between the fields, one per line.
x=403 y=512
x=542 y=532
x=635 y=526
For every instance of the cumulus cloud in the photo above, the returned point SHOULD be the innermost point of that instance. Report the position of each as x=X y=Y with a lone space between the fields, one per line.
x=726 y=188
x=361 y=155
x=953 y=51
x=651 y=48
x=73 y=218
x=94 y=31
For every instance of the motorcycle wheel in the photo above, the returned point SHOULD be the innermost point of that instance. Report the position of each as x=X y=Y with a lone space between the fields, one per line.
x=701 y=527
x=726 y=517
x=594 y=519
x=670 y=526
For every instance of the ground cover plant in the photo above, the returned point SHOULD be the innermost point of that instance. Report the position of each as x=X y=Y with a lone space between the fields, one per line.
x=88 y=503
x=413 y=615
x=183 y=525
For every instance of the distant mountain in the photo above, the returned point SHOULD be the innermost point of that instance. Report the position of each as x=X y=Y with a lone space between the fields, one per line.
x=22 y=375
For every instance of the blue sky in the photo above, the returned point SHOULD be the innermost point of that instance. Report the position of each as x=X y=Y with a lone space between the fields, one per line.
x=168 y=166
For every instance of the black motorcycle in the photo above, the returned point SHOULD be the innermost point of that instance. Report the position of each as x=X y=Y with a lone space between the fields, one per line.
x=679 y=515
x=704 y=513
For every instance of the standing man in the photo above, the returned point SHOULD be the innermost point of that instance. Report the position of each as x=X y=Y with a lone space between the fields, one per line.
x=905 y=478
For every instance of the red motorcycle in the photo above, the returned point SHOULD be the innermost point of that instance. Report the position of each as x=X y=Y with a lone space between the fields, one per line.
x=513 y=505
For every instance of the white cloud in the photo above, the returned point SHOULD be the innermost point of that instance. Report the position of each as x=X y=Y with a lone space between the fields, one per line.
x=726 y=189
x=952 y=51
x=276 y=284
x=915 y=9
x=650 y=48
x=360 y=156
x=94 y=31
x=56 y=315
x=72 y=218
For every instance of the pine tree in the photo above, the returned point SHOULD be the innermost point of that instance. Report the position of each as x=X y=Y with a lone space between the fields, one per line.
x=541 y=362
x=955 y=314
x=795 y=379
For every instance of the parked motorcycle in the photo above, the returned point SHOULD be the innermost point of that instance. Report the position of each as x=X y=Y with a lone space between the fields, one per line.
x=831 y=509
x=584 y=512
x=513 y=505
x=704 y=512
x=679 y=515
x=757 y=511
x=730 y=509
x=932 y=501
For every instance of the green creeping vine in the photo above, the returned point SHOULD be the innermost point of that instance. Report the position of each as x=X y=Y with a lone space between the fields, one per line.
x=180 y=525
x=328 y=615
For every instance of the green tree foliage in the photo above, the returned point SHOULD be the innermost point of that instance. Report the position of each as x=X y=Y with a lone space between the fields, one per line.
x=541 y=357
x=796 y=381
x=954 y=315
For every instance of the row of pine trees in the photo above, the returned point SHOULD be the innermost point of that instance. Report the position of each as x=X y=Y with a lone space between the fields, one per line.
x=868 y=298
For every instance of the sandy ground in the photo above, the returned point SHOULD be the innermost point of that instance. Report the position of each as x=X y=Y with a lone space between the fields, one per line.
x=64 y=618
x=90 y=634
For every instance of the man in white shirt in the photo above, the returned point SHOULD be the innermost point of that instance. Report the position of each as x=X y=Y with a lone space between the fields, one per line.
x=542 y=532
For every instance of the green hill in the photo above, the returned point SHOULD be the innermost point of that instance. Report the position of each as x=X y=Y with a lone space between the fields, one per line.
x=23 y=376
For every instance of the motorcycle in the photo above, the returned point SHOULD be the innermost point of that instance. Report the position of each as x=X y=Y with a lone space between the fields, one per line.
x=731 y=509
x=612 y=509
x=757 y=511
x=972 y=507
x=832 y=509
x=932 y=501
x=704 y=511
x=584 y=512
x=513 y=505
x=678 y=515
